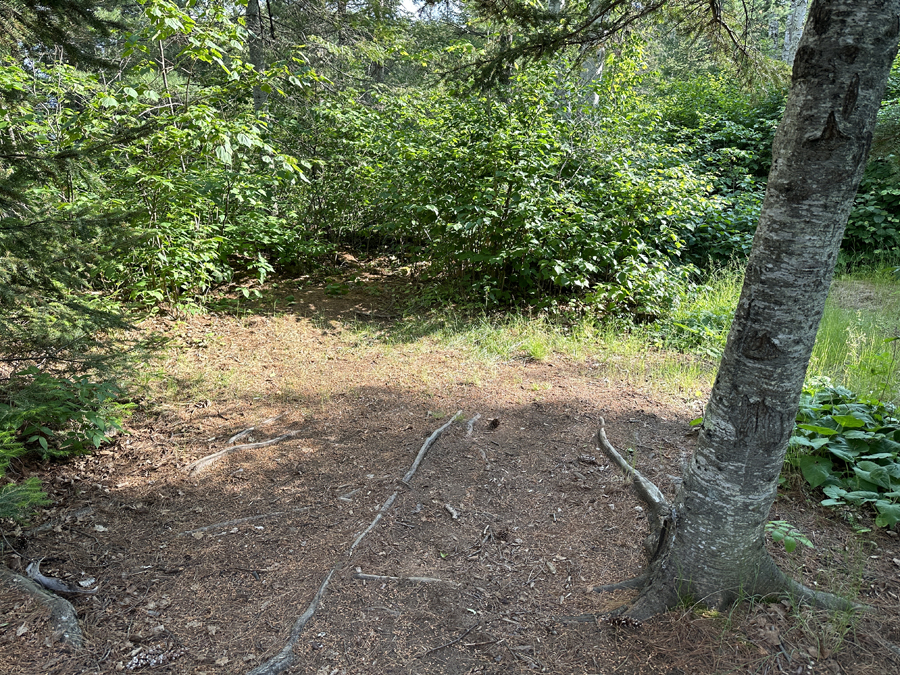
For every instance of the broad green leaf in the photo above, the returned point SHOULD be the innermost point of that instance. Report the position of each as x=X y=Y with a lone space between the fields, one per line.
x=824 y=431
x=835 y=491
x=861 y=496
x=888 y=513
x=224 y=154
x=849 y=421
x=816 y=470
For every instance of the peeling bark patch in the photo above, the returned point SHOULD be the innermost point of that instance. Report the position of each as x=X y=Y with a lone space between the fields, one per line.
x=850 y=97
x=759 y=346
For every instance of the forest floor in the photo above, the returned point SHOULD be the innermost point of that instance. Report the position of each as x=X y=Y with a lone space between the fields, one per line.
x=514 y=517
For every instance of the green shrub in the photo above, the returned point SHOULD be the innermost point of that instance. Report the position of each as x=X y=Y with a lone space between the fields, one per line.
x=52 y=417
x=848 y=446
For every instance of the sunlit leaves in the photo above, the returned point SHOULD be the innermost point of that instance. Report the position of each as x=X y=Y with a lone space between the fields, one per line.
x=850 y=448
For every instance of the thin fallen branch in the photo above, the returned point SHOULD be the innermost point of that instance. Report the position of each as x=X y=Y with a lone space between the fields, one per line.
x=384 y=508
x=285 y=658
x=470 y=425
x=204 y=462
x=250 y=430
x=452 y=642
x=238 y=521
x=428 y=443
x=63 y=618
x=416 y=580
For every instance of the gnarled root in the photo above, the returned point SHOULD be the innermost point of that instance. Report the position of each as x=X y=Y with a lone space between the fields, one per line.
x=665 y=584
x=63 y=618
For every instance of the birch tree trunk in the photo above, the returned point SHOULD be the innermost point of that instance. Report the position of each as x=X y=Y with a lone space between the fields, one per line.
x=710 y=544
x=253 y=22
x=793 y=29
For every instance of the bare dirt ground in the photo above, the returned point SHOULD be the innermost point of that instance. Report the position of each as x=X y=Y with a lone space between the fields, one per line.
x=514 y=518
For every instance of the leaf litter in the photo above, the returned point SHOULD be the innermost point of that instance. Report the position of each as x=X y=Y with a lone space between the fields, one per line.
x=474 y=567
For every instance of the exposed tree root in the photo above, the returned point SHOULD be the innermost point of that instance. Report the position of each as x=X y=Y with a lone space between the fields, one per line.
x=243 y=433
x=285 y=658
x=51 y=584
x=63 y=618
x=659 y=513
x=470 y=425
x=578 y=618
x=384 y=509
x=197 y=467
x=661 y=588
x=797 y=592
x=428 y=443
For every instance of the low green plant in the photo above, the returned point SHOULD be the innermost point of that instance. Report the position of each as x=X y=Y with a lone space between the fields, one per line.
x=785 y=533
x=52 y=417
x=848 y=446
x=59 y=416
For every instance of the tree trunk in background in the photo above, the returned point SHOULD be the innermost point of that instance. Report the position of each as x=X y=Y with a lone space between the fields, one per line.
x=712 y=545
x=255 y=44
x=592 y=71
x=793 y=30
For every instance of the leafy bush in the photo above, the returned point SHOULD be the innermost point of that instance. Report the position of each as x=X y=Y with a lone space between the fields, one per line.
x=848 y=446
x=52 y=417
x=58 y=417
x=510 y=199
x=727 y=132
x=874 y=223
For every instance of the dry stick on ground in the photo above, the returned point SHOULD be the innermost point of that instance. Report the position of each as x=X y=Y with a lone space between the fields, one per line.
x=428 y=443
x=243 y=433
x=62 y=615
x=416 y=580
x=452 y=642
x=285 y=658
x=204 y=462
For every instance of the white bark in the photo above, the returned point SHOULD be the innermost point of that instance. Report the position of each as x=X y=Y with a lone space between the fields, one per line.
x=819 y=153
x=255 y=47
x=793 y=30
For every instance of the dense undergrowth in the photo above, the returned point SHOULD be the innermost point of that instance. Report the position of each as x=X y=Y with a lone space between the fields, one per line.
x=607 y=213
